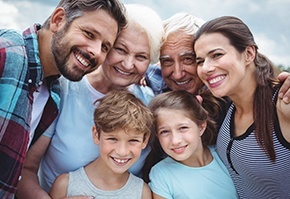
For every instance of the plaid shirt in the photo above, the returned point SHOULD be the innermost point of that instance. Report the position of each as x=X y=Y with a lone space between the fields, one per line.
x=154 y=79
x=20 y=75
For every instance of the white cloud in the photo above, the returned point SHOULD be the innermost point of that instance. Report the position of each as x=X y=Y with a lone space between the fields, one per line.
x=8 y=16
x=267 y=47
x=268 y=19
x=22 y=14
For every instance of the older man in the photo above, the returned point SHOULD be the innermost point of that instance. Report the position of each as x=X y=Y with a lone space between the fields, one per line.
x=177 y=69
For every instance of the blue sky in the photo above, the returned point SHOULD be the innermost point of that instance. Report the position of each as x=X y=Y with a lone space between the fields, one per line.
x=269 y=20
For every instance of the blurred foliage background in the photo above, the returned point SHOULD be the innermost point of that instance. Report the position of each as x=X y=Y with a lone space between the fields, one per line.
x=284 y=68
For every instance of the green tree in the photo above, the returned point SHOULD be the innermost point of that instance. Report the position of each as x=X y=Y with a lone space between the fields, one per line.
x=283 y=68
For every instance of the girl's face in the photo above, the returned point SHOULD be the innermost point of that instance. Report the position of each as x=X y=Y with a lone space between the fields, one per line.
x=119 y=149
x=179 y=136
x=220 y=66
x=128 y=61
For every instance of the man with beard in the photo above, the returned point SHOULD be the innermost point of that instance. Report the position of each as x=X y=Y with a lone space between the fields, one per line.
x=72 y=42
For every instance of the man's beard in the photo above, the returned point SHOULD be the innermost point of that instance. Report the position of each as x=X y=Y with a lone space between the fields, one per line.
x=61 y=55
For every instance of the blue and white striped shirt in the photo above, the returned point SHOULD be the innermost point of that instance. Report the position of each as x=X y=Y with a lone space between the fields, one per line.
x=253 y=173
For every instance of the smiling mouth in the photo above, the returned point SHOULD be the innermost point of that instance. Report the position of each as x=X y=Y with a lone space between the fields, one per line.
x=217 y=79
x=182 y=82
x=122 y=72
x=121 y=161
x=179 y=149
x=82 y=60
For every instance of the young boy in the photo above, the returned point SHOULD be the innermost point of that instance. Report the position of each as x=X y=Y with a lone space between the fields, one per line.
x=122 y=129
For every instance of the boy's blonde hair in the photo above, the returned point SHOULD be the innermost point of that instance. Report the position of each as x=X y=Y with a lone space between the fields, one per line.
x=121 y=109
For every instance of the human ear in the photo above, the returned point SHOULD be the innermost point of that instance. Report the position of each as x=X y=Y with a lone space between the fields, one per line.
x=95 y=135
x=202 y=128
x=57 y=19
x=145 y=142
x=250 y=54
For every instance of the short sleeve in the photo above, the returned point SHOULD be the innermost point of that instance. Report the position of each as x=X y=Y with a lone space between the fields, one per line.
x=158 y=182
x=49 y=132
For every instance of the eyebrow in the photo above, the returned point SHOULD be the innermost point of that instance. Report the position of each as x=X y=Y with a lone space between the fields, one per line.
x=119 y=43
x=106 y=42
x=209 y=52
x=164 y=57
x=179 y=55
x=186 y=53
x=123 y=45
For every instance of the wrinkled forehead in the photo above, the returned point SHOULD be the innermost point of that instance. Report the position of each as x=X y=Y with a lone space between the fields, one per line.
x=178 y=42
x=185 y=53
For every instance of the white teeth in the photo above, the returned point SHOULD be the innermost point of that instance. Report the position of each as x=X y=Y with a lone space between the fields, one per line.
x=217 y=79
x=83 y=62
x=121 y=160
x=181 y=83
x=122 y=72
x=179 y=149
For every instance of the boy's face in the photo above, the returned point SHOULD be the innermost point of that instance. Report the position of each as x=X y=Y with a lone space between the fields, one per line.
x=119 y=150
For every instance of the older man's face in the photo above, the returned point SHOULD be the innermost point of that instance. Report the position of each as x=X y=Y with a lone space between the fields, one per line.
x=178 y=66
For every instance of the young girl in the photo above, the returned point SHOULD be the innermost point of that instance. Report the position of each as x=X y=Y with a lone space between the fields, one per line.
x=192 y=168
x=254 y=139
x=122 y=130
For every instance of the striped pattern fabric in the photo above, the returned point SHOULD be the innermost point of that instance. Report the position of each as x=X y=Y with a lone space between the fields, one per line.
x=253 y=173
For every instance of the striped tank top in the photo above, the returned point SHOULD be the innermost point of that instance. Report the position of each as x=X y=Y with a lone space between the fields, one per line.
x=253 y=173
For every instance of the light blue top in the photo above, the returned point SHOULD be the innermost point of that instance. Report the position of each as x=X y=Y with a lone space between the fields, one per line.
x=72 y=145
x=171 y=179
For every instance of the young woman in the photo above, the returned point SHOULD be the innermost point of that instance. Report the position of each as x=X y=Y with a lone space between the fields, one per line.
x=254 y=139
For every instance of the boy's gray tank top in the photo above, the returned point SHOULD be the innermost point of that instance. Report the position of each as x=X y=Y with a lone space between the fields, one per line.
x=79 y=184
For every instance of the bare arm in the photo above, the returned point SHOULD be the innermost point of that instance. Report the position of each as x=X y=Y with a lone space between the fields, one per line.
x=59 y=186
x=284 y=92
x=146 y=193
x=283 y=111
x=29 y=185
x=59 y=189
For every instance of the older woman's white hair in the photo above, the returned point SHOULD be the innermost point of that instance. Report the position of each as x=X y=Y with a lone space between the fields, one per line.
x=147 y=19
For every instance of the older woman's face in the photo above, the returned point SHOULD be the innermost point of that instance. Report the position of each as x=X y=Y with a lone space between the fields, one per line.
x=128 y=61
x=178 y=64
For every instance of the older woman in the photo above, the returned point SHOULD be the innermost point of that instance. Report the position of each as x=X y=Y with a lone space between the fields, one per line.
x=68 y=144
